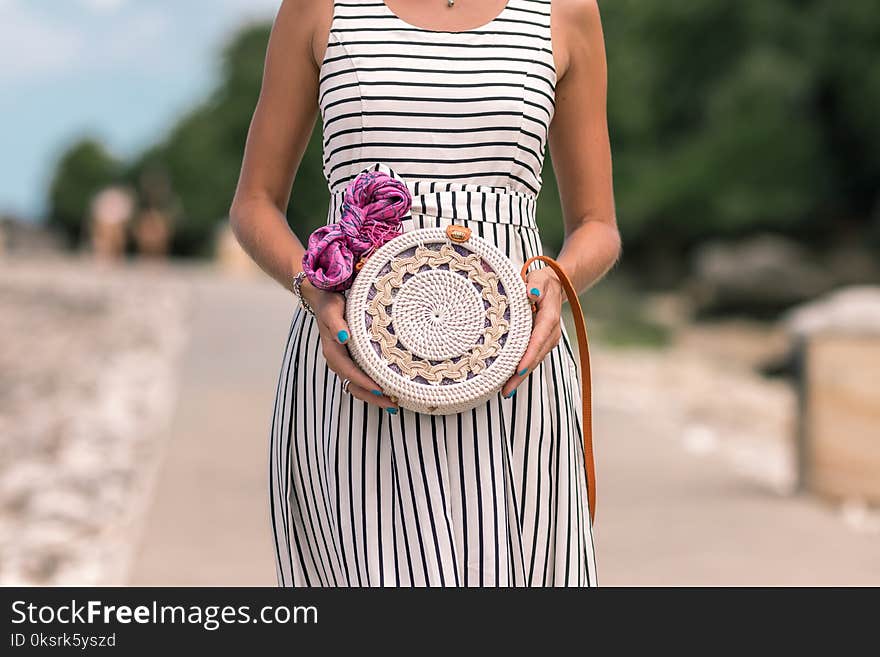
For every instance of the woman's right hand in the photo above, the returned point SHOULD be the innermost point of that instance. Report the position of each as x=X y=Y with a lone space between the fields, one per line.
x=329 y=310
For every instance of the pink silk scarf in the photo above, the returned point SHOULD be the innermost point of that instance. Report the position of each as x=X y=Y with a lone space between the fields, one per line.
x=373 y=206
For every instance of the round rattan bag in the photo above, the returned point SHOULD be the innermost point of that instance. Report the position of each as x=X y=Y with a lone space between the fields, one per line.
x=439 y=318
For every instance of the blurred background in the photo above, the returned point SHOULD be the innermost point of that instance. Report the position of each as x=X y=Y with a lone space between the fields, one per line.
x=736 y=347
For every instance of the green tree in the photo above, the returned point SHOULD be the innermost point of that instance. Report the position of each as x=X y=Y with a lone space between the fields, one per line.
x=202 y=153
x=729 y=117
x=845 y=38
x=82 y=170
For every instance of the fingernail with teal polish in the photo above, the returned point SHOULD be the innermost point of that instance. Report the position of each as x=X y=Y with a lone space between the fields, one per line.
x=535 y=291
x=510 y=394
x=378 y=393
x=342 y=335
x=391 y=410
x=523 y=371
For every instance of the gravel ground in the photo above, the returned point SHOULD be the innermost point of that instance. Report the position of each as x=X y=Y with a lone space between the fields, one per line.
x=706 y=390
x=87 y=382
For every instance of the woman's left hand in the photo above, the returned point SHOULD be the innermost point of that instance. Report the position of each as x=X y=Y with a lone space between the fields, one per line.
x=546 y=292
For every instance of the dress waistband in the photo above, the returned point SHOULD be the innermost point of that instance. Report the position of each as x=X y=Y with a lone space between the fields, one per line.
x=458 y=202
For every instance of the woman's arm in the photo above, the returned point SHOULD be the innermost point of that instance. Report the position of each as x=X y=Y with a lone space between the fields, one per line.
x=280 y=130
x=581 y=157
x=580 y=147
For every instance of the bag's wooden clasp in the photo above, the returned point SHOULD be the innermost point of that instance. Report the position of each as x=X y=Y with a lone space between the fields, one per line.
x=458 y=233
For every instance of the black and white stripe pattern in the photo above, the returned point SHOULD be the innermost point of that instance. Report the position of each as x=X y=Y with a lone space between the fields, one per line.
x=496 y=496
x=469 y=106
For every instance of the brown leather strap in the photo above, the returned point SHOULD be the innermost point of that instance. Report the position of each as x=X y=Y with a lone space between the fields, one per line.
x=584 y=353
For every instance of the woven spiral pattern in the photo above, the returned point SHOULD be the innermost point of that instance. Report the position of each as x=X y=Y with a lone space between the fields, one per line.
x=429 y=326
x=438 y=325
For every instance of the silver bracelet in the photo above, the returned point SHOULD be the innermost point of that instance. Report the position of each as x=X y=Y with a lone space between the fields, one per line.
x=297 y=290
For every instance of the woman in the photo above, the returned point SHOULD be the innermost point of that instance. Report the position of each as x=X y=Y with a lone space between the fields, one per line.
x=459 y=95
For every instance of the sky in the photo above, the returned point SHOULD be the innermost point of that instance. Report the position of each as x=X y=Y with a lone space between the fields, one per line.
x=118 y=70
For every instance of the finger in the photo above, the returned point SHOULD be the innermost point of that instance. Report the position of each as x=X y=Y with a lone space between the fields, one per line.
x=333 y=319
x=546 y=349
x=535 y=285
x=339 y=360
x=546 y=324
x=509 y=388
x=382 y=401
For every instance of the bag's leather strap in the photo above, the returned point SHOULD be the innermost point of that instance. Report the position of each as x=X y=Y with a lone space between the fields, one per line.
x=584 y=353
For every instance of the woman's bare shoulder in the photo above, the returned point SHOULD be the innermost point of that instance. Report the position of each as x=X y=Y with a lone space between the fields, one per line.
x=577 y=11
x=576 y=25
x=303 y=26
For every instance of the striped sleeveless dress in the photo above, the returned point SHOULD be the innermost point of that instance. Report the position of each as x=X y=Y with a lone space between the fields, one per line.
x=495 y=496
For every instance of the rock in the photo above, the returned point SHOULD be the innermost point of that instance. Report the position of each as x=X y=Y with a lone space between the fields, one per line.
x=759 y=275
x=88 y=359
x=851 y=310
x=838 y=347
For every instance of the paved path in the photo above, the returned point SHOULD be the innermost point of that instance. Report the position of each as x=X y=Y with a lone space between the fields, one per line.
x=209 y=521
x=665 y=516
x=668 y=517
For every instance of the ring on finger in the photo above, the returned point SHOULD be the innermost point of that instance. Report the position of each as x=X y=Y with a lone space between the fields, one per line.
x=345 y=384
